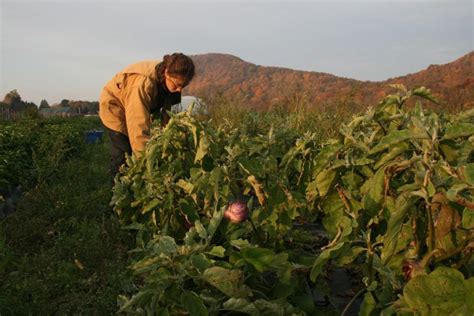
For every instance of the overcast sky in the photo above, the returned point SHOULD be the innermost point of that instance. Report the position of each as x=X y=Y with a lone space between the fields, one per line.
x=57 y=50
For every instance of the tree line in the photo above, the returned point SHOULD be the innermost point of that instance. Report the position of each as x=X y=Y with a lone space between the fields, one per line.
x=13 y=102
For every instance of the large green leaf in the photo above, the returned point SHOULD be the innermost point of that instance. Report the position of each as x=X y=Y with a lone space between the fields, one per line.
x=241 y=305
x=202 y=148
x=326 y=154
x=150 y=206
x=395 y=137
x=217 y=251
x=394 y=152
x=324 y=181
x=374 y=197
x=167 y=245
x=193 y=304
x=189 y=209
x=321 y=260
x=459 y=130
x=200 y=262
x=424 y=93
x=137 y=299
x=395 y=222
x=260 y=258
x=442 y=292
x=368 y=306
x=468 y=173
x=229 y=282
x=468 y=218
x=214 y=223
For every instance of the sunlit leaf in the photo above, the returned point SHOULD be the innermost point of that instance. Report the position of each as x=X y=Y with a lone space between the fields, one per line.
x=395 y=137
x=459 y=130
x=442 y=292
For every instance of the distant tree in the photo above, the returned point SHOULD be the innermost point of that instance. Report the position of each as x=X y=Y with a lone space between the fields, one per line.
x=64 y=103
x=78 y=106
x=84 y=107
x=30 y=110
x=13 y=99
x=44 y=104
x=93 y=107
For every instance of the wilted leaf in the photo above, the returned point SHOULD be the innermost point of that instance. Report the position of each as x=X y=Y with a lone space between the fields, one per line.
x=229 y=282
x=258 y=188
x=188 y=187
x=445 y=218
x=78 y=264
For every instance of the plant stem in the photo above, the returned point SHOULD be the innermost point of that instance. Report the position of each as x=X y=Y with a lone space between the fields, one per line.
x=346 y=309
x=370 y=260
x=257 y=233
x=431 y=229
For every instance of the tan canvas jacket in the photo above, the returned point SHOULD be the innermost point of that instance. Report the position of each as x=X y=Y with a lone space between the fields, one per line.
x=127 y=100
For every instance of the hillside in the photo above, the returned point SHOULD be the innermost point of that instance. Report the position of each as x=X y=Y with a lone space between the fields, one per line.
x=263 y=87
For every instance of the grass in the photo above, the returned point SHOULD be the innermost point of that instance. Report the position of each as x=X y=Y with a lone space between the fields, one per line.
x=297 y=114
x=63 y=251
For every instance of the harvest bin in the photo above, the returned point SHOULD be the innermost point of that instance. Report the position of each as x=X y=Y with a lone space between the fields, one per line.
x=94 y=136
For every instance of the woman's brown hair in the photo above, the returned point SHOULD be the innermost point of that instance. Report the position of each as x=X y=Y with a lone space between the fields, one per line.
x=178 y=65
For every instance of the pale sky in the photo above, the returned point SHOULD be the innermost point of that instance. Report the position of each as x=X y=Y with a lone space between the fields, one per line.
x=58 y=50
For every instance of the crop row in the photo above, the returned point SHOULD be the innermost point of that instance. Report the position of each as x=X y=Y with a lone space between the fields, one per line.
x=390 y=198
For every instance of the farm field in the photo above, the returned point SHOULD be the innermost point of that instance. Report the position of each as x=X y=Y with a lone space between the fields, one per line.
x=62 y=250
x=285 y=212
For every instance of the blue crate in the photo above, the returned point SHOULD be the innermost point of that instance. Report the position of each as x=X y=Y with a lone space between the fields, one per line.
x=94 y=136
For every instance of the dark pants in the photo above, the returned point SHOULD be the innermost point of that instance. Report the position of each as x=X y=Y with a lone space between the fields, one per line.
x=119 y=145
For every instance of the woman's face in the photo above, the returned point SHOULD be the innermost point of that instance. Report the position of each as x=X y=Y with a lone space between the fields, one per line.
x=174 y=84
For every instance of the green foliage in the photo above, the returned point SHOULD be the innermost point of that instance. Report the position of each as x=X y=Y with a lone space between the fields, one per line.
x=406 y=202
x=392 y=192
x=395 y=186
x=62 y=251
x=32 y=149
x=442 y=292
x=294 y=114
x=189 y=172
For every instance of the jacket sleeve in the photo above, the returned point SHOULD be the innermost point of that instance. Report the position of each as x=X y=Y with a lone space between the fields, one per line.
x=137 y=103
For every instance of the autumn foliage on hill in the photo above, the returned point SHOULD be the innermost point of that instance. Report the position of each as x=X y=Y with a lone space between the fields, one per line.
x=259 y=87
